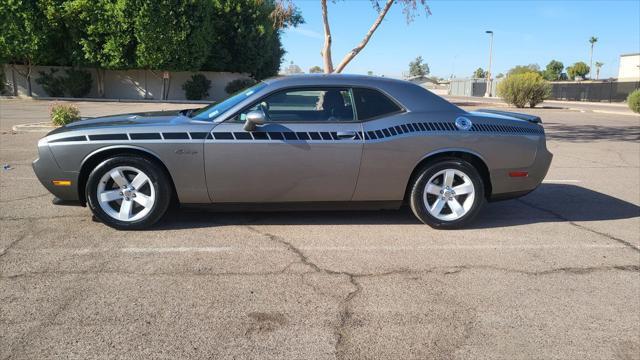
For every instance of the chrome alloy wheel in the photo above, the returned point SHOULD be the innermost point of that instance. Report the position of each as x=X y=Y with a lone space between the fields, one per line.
x=126 y=193
x=449 y=195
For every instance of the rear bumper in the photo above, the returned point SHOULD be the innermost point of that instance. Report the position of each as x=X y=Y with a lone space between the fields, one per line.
x=506 y=187
x=47 y=170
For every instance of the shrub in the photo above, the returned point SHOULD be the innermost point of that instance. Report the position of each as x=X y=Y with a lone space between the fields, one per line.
x=52 y=85
x=633 y=100
x=522 y=89
x=62 y=114
x=197 y=88
x=77 y=83
x=238 y=84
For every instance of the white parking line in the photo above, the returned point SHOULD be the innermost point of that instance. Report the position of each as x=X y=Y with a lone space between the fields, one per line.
x=209 y=249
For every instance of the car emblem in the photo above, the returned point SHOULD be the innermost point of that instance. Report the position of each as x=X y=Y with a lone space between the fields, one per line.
x=463 y=123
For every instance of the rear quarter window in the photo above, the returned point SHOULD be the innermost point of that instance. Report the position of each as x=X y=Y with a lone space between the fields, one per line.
x=372 y=104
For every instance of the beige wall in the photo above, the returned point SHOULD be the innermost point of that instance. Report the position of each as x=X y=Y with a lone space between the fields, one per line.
x=128 y=84
x=629 y=67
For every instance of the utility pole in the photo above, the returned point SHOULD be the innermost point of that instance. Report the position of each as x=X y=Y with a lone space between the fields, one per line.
x=488 y=76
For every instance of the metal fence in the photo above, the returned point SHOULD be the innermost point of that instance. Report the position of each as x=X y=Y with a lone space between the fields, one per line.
x=471 y=87
x=601 y=91
x=597 y=91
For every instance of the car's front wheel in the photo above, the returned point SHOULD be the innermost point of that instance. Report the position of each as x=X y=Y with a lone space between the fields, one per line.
x=128 y=192
x=447 y=194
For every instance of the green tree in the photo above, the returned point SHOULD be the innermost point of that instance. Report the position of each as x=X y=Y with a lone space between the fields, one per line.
x=104 y=33
x=315 y=69
x=499 y=76
x=248 y=40
x=479 y=73
x=418 y=68
x=598 y=66
x=579 y=69
x=553 y=70
x=173 y=35
x=523 y=69
x=26 y=37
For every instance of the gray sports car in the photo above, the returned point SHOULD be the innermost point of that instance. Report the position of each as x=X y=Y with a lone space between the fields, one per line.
x=331 y=141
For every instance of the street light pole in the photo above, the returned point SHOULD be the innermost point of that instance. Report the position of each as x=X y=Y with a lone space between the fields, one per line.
x=488 y=76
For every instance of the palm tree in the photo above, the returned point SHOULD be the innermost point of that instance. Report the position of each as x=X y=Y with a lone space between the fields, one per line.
x=592 y=40
x=598 y=66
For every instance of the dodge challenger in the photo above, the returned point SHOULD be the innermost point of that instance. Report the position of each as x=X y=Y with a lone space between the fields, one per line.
x=309 y=141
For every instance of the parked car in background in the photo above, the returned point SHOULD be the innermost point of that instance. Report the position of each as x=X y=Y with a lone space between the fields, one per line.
x=331 y=141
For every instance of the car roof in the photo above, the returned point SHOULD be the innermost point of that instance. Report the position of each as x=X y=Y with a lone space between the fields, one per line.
x=412 y=96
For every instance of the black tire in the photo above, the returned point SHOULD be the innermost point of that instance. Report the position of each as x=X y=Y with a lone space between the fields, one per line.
x=420 y=181
x=158 y=179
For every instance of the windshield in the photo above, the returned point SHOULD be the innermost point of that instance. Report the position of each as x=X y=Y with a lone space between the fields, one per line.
x=214 y=110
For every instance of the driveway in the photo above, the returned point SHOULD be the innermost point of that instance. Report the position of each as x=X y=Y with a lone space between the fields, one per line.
x=554 y=274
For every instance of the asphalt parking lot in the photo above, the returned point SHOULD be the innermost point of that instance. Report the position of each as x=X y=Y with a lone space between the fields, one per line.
x=554 y=275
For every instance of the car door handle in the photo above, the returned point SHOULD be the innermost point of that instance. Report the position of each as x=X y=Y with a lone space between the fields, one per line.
x=346 y=134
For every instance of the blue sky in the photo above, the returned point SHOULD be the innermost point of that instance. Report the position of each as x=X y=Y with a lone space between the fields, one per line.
x=453 y=39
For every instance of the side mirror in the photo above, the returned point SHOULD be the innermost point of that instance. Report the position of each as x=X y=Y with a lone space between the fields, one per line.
x=254 y=118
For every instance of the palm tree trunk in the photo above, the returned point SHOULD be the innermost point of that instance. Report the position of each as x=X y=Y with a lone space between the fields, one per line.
x=591 y=60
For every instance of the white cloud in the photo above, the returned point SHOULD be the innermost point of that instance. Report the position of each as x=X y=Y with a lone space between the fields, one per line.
x=306 y=32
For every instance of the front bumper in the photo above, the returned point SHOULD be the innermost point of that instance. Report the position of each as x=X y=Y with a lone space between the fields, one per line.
x=47 y=170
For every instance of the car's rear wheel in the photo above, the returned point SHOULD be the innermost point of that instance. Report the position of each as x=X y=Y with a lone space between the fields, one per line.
x=128 y=192
x=447 y=194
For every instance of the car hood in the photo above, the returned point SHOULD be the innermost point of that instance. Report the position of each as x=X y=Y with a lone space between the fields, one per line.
x=155 y=118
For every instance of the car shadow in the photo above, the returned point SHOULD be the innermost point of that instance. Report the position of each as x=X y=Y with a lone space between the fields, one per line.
x=548 y=203
x=589 y=133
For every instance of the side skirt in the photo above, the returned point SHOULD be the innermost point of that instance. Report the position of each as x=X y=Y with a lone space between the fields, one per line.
x=295 y=206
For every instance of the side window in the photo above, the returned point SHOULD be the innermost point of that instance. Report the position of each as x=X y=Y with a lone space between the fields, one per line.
x=372 y=103
x=306 y=105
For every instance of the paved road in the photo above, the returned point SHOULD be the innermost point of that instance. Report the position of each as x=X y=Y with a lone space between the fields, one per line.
x=552 y=275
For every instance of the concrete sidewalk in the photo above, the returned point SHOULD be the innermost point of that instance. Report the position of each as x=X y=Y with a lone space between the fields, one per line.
x=597 y=107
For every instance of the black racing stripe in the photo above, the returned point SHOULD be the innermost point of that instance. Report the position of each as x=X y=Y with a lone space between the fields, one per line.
x=276 y=135
x=366 y=136
x=71 y=138
x=399 y=129
x=198 y=135
x=259 y=135
x=314 y=136
x=421 y=126
x=303 y=136
x=145 y=136
x=357 y=135
x=379 y=134
x=386 y=132
x=325 y=135
x=372 y=135
x=290 y=135
x=109 y=137
x=393 y=131
x=175 y=136
x=222 y=135
x=242 y=135
x=404 y=128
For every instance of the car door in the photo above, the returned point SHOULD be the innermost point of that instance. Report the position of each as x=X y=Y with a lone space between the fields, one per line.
x=309 y=149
